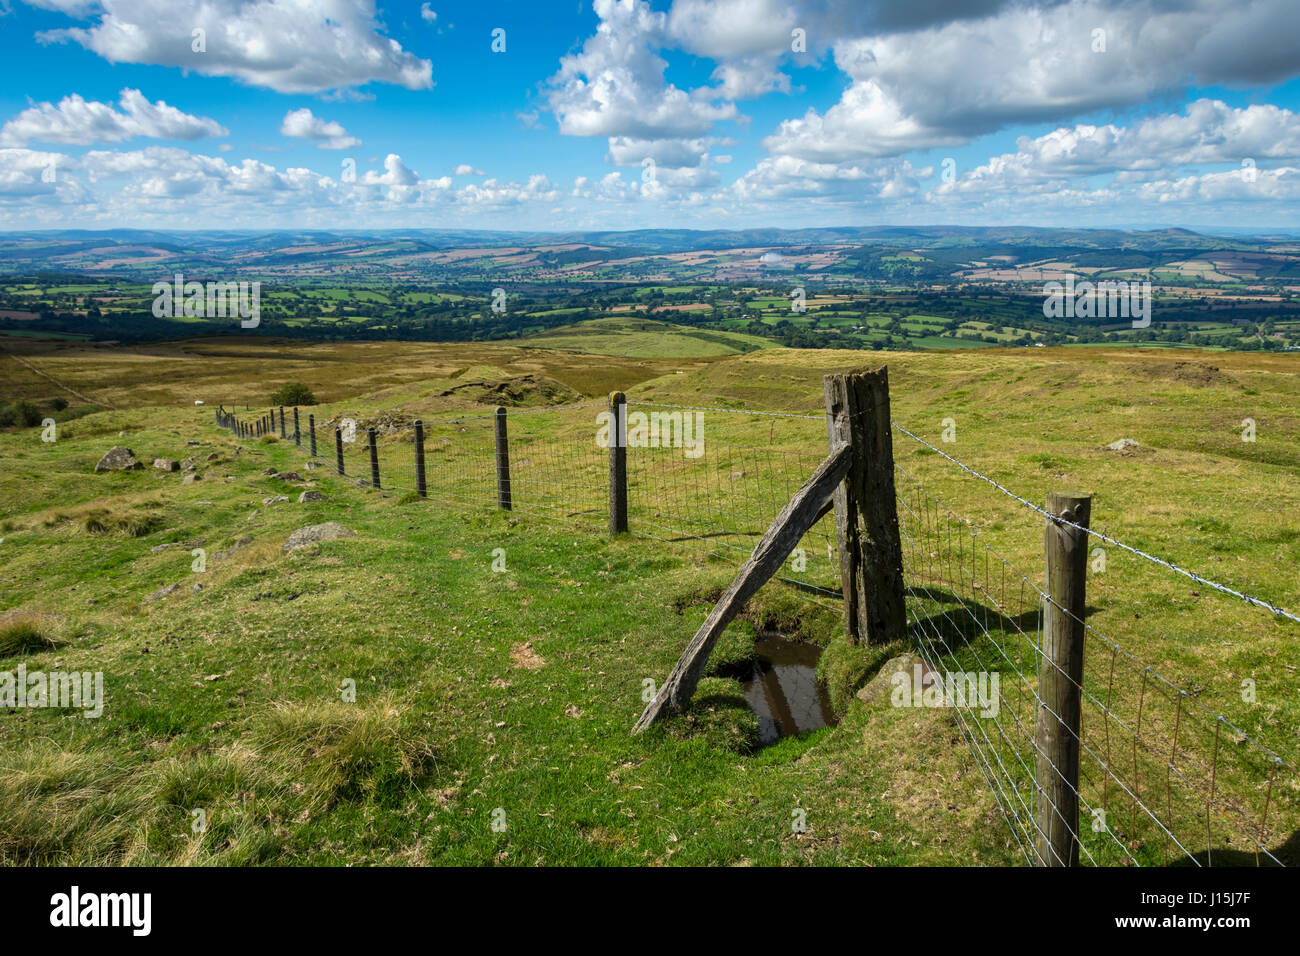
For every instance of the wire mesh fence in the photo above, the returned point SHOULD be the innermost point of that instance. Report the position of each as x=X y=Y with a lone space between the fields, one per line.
x=1161 y=778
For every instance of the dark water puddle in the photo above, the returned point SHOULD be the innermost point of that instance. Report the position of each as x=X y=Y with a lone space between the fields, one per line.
x=783 y=689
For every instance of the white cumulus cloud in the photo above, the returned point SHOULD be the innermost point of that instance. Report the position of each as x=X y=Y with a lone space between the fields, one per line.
x=80 y=122
x=291 y=46
x=303 y=124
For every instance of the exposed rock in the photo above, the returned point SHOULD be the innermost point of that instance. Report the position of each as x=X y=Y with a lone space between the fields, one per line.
x=161 y=593
x=1122 y=444
x=270 y=471
x=197 y=588
x=312 y=533
x=191 y=478
x=166 y=464
x=159 y=547
x=312 y=495
x=288 y=476
x=274 y=499
x=879 y=689
x=118 y=458
x=213 y=457
x=313 y=465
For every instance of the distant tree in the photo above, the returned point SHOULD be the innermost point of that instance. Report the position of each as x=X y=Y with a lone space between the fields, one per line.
x=58 y=404
x=293 y=393
x=21 y=413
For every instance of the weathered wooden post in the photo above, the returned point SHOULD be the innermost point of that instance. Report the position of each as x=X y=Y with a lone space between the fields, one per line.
x=617 y=463
x=297 y=435
x=338 y=448
x=282 y=431
x=1060 y=682
x=503 y=461
x=311 y=432
x=419 y=459
x=796 y=518
x=374 y=460
x=866 y=512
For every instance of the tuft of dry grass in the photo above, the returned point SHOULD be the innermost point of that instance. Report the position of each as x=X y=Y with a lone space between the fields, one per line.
x=25 y=634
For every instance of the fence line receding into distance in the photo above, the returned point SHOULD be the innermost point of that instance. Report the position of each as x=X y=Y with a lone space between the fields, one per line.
x=1092 y=755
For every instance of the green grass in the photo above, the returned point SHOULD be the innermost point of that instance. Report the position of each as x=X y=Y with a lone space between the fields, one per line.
x=24 y=635
x=229 y=700
x=479 y=691
x=645 y=338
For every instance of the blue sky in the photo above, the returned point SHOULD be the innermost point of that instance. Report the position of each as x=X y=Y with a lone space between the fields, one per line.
x=631 y=114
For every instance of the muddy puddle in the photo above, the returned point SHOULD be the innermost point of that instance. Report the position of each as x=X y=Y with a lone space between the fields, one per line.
x=783 y=690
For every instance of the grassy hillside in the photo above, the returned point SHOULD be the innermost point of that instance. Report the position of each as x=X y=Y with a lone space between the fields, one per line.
x=645 y=338
x=479 y=691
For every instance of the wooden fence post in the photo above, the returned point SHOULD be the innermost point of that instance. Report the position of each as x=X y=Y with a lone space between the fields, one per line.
x=617 y=463
x=1060 y=683
x=282 y=434
x=338 y=448
x=796 y=518
x=866 y=512
x=419 y=459
x=374 y=460
x=297 y=435
x=311 y=432
x=503 y=461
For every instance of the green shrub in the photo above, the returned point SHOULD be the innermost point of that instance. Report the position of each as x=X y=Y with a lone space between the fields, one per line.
x=293 y=393
x=26 y=415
